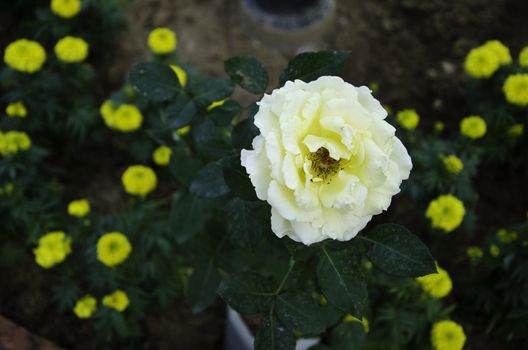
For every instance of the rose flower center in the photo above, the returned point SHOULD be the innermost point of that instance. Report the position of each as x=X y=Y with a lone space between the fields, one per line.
x=323 y=165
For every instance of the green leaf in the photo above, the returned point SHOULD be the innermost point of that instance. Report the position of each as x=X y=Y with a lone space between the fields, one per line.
x=154 y=81
x=224 y=114
x=209 y=140
x=119 y=323
x=244 y=133
x=331 y=314
x=187 y=217
x=65 y=294
x=180 y=113
x=299 y=251
x=398 y=252
x=341 y=280
x=300 y=312
x=247 y=72
x=347 y=336
x=247 y=292
x=309 y=66
x=238 y=181
x=183 y=166
x=203 y=284
x=247 y=222
x=272 y=335
x=213 y=89
x=209 y=182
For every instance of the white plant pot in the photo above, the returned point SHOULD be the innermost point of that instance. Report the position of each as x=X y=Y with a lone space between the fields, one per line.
x=238 y=336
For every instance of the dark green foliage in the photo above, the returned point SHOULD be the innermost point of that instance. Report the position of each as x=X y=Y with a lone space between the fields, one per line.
x=348 y=336
x=398 y=252
x=187 y=216
x=180 y=113
x=202 y=286
x=309 y=66
x=247 y=222
x=154 y=81
x=341 y=279
x=272 y=335
x=248 y=292
x=300 y=312
x=210 y=90
x=209 y=182
x=247 y=72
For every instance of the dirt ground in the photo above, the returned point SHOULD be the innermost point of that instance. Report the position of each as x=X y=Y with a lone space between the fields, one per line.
x=413 y=49
x=25 y=304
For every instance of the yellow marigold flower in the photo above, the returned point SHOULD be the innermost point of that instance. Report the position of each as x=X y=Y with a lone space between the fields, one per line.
x=473 y=127
x=481 y=62
x=127 y=118
x=66 y=8
x=494 y=250
x=113 y=248
x=500 y=50
x=161 y=155
x=506 y=236
x=437 y=285
x=25 y=56
x=515 y=89
x=184 y=131
x=216 y=104
x=21 y=139
x=453 y=164
x=52 y=249
x=118 y=300
x=79 y=208
x=107 y=110
x=474 y=252
x=162 y=41
x=447 y=335
x=180 y=73
x=71 y=49
x=16 y=109
x=523 y=57
x=85 y=307
x=363 y=321
x=139 y=180
x=13 y=142
x=446 y=212
x=516 y=130
x=439 y=127
x=408 y=119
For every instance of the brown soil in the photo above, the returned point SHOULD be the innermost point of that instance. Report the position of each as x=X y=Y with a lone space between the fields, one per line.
x=27 y=300
x=12 y=336
x=413 y=49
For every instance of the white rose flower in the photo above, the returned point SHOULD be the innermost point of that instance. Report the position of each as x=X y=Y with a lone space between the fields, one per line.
x=326 y=160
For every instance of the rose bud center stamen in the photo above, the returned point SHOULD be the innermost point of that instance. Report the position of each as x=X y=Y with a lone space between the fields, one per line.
x=323 y=165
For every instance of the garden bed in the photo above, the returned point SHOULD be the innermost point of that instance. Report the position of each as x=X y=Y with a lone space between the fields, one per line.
x=411 y=53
